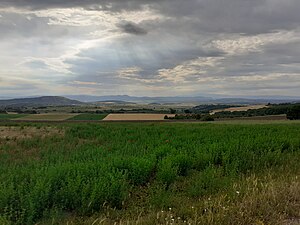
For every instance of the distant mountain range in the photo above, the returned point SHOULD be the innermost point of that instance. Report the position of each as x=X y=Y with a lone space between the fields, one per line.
x=125 y=99
x=147 y=100
x=181 y=99
x=39 y=101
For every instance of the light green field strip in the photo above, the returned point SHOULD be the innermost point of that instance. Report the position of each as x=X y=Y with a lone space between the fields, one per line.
x=47 y=117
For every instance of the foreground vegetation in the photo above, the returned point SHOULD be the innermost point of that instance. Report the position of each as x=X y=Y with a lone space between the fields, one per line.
x=152 y=173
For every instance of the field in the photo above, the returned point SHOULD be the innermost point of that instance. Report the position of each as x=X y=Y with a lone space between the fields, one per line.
x=238 y=109
x=88 y=116
x=47 y=117
x=275 y=118
x=53 y=117
x=136 y=117
x=11 y=116
x=18 y=133
x=150 y=173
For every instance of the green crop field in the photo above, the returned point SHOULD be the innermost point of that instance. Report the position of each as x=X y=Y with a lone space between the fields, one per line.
x=47 y=117
x=151 y=173
x=89 y=116
x=11 y=116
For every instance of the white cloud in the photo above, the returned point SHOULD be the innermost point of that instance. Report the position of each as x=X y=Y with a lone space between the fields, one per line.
x=82 y=17
x=85 y=83
x=239 y=44
x=189 y=69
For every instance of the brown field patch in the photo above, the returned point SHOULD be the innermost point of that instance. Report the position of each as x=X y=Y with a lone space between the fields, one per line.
x=48 y=117
x=16 y=133
x=136 y=117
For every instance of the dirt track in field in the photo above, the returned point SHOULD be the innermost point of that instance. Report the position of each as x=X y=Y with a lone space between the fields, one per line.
x=136 y=117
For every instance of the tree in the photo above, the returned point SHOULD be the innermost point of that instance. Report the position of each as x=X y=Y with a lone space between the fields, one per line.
x=172 y=111
x=187 y=111
x=293 y=113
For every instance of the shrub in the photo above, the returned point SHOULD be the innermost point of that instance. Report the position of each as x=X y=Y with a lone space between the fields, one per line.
x=160 y=198
x=207 y=182
x=167 y=172
x=138 y=170
x=202 y=160
x=183 y=163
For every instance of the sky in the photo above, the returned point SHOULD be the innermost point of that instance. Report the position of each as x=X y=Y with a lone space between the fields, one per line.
x=150 y=47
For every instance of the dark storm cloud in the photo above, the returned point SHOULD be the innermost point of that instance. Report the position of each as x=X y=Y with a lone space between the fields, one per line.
x=171 y=42
x=230 y=16
x=131 y=28
x=89 y=4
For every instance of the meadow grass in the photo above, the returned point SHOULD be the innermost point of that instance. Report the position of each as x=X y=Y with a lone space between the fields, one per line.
x=89 y=116
x=152 y=173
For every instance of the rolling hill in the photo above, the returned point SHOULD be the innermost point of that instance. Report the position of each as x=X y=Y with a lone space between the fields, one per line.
x=39 y=101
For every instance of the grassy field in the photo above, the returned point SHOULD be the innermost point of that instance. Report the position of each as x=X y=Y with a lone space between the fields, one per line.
x=11 y=116
x=88 y=116
x=151 y=173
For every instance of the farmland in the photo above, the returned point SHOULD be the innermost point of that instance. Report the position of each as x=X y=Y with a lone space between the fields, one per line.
x=53 y=117
x=47 y=116
x=88 y=116
x=239 y=109
x=136 y=117
x=150 y=173
x=11 y=116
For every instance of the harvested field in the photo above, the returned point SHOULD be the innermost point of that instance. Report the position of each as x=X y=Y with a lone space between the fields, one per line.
x=47 y=117
x=136 y=117
x=238 y=109
x=17 y=133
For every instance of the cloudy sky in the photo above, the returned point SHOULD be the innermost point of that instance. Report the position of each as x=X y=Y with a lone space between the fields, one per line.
x=150 y=47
